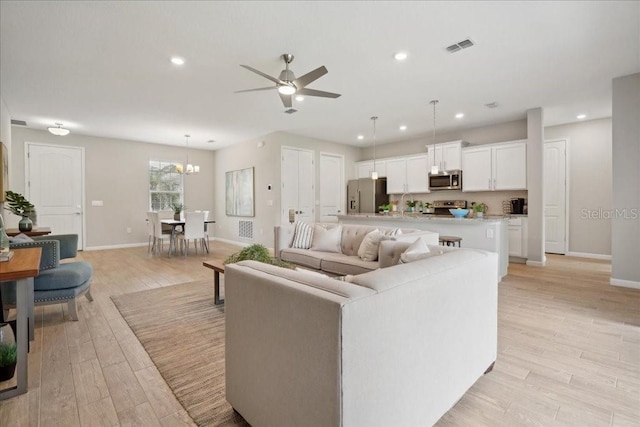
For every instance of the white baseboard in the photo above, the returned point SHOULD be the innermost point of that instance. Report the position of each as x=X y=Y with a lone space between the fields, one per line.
x=624 y=283
x=535 y=263
x=102 y=248
x=588 y=255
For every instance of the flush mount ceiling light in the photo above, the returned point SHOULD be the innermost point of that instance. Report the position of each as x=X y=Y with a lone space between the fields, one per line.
x=176 y=60
x=581 y=116
x=191 y=169
x=400 y=56
x=403 y=127
x=374 y=173
x=59 y=131
x=459 y=115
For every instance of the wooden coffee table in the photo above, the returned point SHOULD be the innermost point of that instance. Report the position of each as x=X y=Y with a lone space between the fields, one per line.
x=218 y=267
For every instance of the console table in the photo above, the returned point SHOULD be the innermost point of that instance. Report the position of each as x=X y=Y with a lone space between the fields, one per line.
x=40 y=231
x=218 y=267
x=23 y=267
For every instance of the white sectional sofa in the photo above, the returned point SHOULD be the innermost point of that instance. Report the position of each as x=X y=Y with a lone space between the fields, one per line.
x=397 y=346
x=347 y=261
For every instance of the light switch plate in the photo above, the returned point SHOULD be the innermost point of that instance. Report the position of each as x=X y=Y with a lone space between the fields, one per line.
x=97 y=203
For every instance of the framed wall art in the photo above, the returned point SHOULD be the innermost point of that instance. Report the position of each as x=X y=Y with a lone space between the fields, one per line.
x=239 y=192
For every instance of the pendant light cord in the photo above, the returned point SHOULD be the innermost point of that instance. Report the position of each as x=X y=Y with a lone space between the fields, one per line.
x=374 y=118
x=434 y=102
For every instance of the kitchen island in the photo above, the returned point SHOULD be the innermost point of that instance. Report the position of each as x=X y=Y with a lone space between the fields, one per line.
x=489 y=234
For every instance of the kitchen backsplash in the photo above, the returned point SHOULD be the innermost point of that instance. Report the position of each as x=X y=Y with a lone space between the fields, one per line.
x=493 y=199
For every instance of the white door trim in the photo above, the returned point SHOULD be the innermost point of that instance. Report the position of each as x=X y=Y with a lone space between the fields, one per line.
x=343 y=183
x=27 y=186
x=566 y=193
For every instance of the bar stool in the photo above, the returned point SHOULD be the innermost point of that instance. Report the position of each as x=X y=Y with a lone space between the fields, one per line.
x=450 y=240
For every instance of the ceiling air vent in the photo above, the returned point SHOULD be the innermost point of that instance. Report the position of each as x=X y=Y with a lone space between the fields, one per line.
x=18 y=122
x=460 y=45
x=491 y=105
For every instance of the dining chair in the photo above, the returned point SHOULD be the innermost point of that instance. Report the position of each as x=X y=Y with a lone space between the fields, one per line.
x=158 y=233
x=150 y=231
x=193 y=230
x=206 y=229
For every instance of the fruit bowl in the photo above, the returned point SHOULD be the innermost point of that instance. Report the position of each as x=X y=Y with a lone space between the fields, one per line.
x=459 y=213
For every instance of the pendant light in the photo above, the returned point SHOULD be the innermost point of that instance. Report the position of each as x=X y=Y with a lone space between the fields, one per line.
x=58 y=130
x=374 y=172
x=190 y=169
x=434 y=168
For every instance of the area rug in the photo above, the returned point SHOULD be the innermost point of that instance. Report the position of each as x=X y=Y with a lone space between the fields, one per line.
x=183 y=332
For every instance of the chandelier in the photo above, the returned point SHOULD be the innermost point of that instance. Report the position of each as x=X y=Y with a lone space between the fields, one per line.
x=190 y=169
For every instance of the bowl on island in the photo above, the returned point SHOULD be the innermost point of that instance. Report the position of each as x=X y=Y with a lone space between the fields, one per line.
x=459 y=213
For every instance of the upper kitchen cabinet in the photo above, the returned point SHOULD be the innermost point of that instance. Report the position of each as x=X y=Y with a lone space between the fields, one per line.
x=364 y=169
x=448 y=155
x=495 y=167
x=407 y=175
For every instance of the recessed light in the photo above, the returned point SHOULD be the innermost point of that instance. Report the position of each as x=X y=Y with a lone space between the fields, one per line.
x=211 y=141
x=581 y=116
x=403 y=127
x=176 y=60
x=299 y=98
x=361 y=137
x=400 y=56
x=459 y=115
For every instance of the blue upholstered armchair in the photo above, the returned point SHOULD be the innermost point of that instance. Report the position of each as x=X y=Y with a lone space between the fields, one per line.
x=57 y=283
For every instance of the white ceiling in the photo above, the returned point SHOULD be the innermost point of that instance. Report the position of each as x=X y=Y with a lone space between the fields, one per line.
x=102 y=68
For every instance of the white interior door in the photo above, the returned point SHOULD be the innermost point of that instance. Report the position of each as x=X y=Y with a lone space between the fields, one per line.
x=554 y=187
x=331 y=187
x=298 y=192
x=55 y=185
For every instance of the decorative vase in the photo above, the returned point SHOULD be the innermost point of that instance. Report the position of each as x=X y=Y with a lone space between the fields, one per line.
x=176 y=216
x=25 y=224
x=8 y=350
x=479 y=214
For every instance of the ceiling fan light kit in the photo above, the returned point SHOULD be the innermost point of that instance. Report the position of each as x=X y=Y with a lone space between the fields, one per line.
x=288 y=85
x=58 y=130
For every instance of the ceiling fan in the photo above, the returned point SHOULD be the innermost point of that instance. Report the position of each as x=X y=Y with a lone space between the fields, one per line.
x=288 y=85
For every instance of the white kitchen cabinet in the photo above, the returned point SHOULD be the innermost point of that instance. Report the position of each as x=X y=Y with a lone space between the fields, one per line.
x=364 y=169
x=407 y=175
x=448 y=155
x=495 y=167
x=517 y=231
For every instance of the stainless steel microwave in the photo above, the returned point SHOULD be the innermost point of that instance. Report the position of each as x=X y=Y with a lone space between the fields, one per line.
x=446 y=180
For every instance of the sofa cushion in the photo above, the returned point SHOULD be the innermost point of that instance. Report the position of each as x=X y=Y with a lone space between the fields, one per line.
x=415 y=251
x=303 y=257
x=344 y=264
x=368 y=250
x=302 y=236
x=326 y=239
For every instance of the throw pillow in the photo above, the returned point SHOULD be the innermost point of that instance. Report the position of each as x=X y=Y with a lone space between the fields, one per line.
x=326 y=239
x=302 y=236
x=20 y=238
x=416 y=251
x=368 y=250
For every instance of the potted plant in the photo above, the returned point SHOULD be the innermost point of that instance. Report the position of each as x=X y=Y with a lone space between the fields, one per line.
x=411 y=205
x=18 y=205
x=384 y=208
x=428 y=208
x=479 y=209
x=8 y=353
x=257 y=252
x=176 y=208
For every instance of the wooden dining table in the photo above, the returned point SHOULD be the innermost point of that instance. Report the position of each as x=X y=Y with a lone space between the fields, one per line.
x=175 y=223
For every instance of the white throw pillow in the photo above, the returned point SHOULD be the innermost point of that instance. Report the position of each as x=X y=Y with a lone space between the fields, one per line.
x=326 y=239
x=368 y=250
x=302 y=236
x=416 y=251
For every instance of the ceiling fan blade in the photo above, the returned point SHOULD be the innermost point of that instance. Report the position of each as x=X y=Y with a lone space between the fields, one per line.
x=321 y=93
x=253 y=90
x=266 y=76
x=301 y=82
x=286 y=100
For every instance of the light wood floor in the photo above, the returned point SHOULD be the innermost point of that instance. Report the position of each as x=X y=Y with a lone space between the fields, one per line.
x=569 y=351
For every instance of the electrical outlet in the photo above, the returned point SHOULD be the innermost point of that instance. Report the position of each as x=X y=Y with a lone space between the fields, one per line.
x=129 y=230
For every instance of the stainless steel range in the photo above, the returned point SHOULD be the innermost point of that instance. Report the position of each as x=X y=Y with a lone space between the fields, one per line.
x=441 y=207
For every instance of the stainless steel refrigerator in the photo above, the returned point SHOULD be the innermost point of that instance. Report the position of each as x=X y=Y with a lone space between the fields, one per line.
x=364 y=195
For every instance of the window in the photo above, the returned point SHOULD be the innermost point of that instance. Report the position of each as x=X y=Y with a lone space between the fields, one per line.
x=165 y=185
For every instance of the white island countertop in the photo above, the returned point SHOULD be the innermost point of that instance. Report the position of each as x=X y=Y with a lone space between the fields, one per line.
x=489 y=233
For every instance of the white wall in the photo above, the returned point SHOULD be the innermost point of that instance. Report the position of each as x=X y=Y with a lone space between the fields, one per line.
x=116 y=172
x=535 y=204
x=625 y=242
x=266 y=161
x=590 y=183
x=5 y=138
